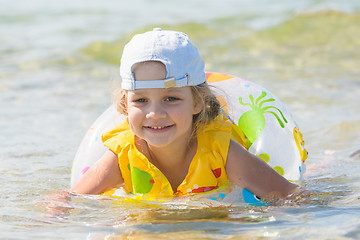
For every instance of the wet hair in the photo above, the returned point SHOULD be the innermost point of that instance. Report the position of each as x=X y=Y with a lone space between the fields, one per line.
x=202 y=94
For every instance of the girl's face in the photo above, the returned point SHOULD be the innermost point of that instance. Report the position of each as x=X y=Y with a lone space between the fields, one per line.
x=160 y=116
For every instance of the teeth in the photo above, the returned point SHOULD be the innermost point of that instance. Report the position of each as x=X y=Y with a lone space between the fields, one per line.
x=157 y=127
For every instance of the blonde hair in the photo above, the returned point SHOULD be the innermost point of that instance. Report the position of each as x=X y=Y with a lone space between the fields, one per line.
x=210 y=106
x=202 y=94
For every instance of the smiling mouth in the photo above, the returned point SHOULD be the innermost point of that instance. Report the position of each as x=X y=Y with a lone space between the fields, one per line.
x=158 y=127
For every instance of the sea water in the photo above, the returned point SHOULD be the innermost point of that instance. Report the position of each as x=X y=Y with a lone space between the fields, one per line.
x=59 y=65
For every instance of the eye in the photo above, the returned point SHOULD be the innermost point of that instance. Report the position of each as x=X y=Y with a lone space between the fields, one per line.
x=172 y=99
x=140 y=100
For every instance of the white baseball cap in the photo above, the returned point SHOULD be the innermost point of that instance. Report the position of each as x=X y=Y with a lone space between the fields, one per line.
x=183 y=63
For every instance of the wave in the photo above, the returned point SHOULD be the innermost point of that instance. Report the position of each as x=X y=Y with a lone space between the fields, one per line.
x=312 y=43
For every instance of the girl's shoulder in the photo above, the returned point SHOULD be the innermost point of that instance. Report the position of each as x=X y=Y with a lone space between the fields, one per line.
x=119 y=137
x=220 y=123
x=223 y=126
x=215 y=137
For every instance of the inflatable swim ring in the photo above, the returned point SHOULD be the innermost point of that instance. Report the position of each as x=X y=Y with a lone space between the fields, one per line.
x=268 y=127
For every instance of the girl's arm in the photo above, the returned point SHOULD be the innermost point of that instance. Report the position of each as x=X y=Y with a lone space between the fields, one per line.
x=103 y=175
x=250 y=172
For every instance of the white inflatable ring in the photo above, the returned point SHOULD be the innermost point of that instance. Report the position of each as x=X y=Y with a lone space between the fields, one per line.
x=269 y=128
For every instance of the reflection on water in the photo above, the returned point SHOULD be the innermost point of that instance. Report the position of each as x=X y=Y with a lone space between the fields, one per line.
x=56 y=78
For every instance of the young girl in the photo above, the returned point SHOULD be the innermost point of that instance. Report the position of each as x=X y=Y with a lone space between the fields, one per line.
x=175 y=140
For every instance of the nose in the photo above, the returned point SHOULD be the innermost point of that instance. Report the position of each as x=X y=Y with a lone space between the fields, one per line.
x=156 y=111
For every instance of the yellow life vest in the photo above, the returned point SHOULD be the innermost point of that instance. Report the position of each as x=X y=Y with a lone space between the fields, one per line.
x=206 y=171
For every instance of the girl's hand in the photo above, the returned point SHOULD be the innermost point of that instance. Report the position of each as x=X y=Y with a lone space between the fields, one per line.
x=299 y=196
x=57 y=204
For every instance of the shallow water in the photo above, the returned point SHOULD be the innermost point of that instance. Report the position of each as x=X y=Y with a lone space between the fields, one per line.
x=59 y=66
